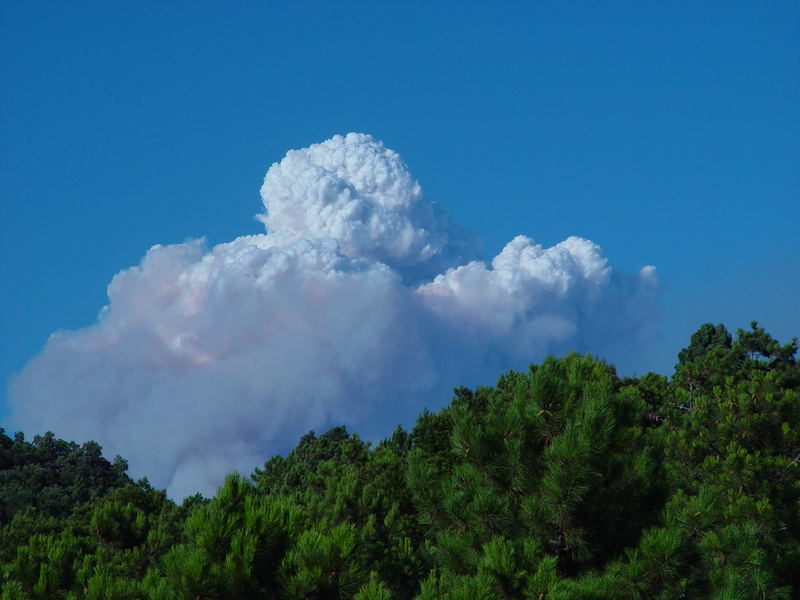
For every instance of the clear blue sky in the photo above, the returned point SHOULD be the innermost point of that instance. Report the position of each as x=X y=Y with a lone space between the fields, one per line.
x=665 y=132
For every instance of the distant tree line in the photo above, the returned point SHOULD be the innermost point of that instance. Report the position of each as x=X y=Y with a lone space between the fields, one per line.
x=565 y=482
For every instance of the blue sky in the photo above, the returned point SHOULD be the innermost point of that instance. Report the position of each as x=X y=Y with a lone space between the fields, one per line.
x=665 y=132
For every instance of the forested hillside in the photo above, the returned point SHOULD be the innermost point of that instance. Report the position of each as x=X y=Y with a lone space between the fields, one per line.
x=564 y=482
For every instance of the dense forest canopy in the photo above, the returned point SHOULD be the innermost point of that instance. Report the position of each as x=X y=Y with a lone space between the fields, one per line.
x=563 y=482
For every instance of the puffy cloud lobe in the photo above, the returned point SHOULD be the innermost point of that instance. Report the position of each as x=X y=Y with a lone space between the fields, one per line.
x=359 y=307
x=356 y=191
x=531 y=299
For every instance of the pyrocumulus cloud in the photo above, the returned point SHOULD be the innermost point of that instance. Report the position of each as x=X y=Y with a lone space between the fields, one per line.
x=362 y=304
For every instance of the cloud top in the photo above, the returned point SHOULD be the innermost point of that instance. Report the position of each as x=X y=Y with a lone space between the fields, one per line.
x=356 y=191
x=362 y=304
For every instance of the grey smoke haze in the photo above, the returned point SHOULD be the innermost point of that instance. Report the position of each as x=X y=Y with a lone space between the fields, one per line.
x=362 y=304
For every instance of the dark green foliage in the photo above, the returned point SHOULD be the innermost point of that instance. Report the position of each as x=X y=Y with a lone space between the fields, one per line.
x=560 y=483
x=550 y=465
x=295 y=472
x=53 y=475
x=713 y=357
x=704 y=340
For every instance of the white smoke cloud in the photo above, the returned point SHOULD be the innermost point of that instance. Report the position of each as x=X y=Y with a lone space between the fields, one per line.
x=361 y=305
x=356 y=191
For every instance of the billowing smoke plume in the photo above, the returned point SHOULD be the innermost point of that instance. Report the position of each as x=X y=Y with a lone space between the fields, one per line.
x=362 y=305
